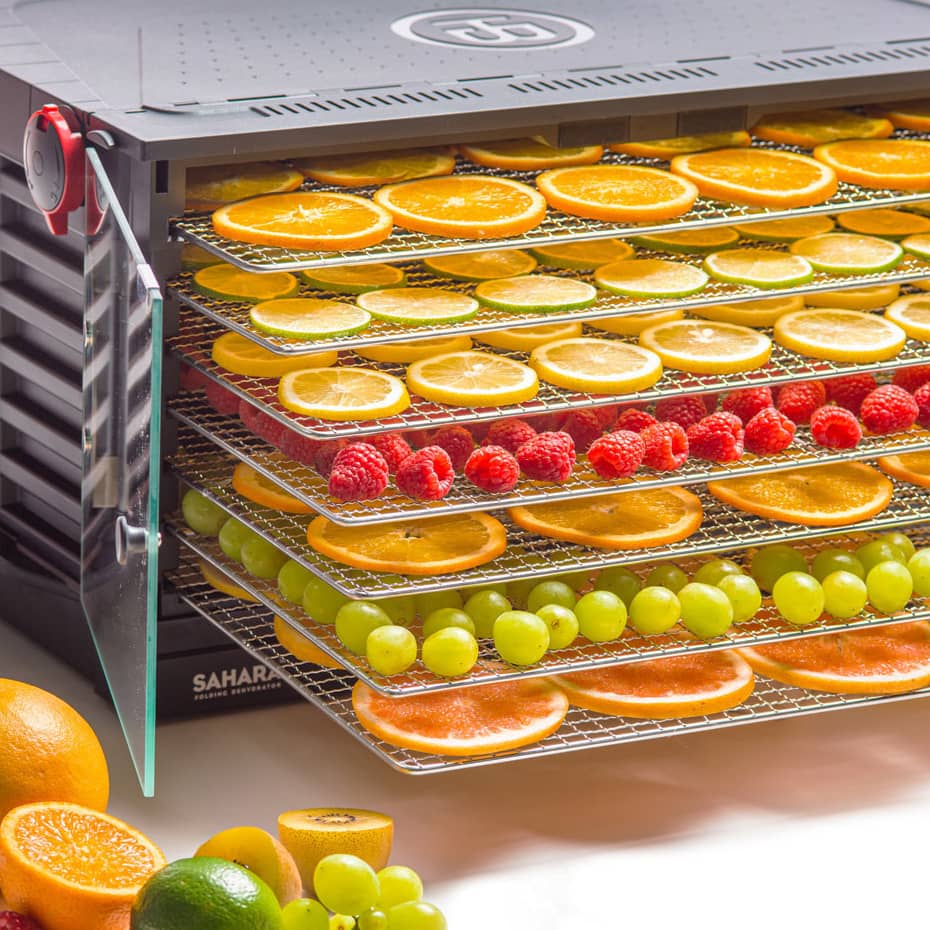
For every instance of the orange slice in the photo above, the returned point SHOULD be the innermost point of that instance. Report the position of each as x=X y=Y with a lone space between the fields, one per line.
x=894 y=224
x=240 y=355
x=855 y=298
x=822 y=495
x=343 y=393
x=465 y=721
x=617 y=193
x=681 y=145
x=300 y=647
x=222 y=582
x=758 y=313
x=305 y=220
x=467 y=206
x=265 y=492
x=812 y=127
x=412 y=350
x=663 y=689
x=583 y=256
x=431 y=546
x=527 y=338
x=907 y=114
x=758 y=177
x=625 y=520
x=634 y=323
x=882 y=660
x=369 y=168
x=707 y=347
x=226 y=282
x=900 y=164
x=914 y=467
x=529 y=154
x=211 y=186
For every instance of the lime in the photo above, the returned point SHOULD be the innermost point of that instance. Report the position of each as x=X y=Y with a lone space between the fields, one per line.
x=583 y=256
x=758 y=268
x=848 y=253
x=193 y=257
x=355 y=279
x=786 y=230
x=308 y=318
x=482 y=266
x=918 y=245
x=225 y=282
x=418 y=306
x=538 y=293
x=690 y=240
x=651 y=277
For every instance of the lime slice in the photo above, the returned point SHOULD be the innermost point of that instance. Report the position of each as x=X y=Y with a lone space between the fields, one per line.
x=538 y=293
x=691 y=240
x=482 y=266
x=193 y=257
x=919 y=246
x=308 y=318
x=848 y=253
x=786 y=230
x=225 y=282
x=651 y=277
x=527 y=338
x=418 y=306
x=583 y=256
x=355 y=279
x=758 y=268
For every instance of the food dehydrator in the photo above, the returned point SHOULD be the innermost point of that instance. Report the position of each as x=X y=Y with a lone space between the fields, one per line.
x=103 y=108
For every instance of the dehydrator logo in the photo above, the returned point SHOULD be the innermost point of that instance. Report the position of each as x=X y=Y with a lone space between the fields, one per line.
x=495 y=29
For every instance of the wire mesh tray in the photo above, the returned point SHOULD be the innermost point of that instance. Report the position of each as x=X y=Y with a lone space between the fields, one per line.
x=331 y=691
x=196 y=335
x=206 y=430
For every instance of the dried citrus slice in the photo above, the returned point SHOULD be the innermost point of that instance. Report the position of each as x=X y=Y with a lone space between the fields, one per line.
x=467 y=206
x=758 y=177
x=241 y=356
x=624 y=520
x=707 y=347
x=918 y=245
x=704 y=239
x=848 y=253
x=812 y=127
x=663 y=689
x=617 y=193
x=431 y=546
x=914 y=467
x=527 y=338
x=599 y=366
x=465 y=721
x=368 y=168
x=882 y=660
x=305 y=220
x=193 y=257
x=901 y=164
x=412 y=350
x=343 y=393
x=758 y=313
x=355 y=279
x=855 y=298
x=839 y=335
x=583 y=256
x=759 y=268
x=308 y=318
x=222 y=582
x=226 y=282
x=822 y=495
x=482 y=266
x=211 y=186
x=529 y=154
x=418 y=306
x=912 y=314
x=681 y=145
x=632 y=324
x=893 y=224
x=786 y=230
x=254 y=486
x=536 y=293
x=300 y=646
x=907 y=114
x=472 y=379
x=651 y=277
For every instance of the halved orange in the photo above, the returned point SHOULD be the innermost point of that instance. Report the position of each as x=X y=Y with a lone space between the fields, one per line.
x=681 y=145
x=466 y=206
x=758 y=313
x=881 y=660
x=431 y=546
x=914 y=467
x=254 y=486
x=907 y=114
x=222 y=582
x=211 y=186
x=811 y=127
x=300 y=647
x=894 y=224
x=900 y=164
x=240 y=355
x=662 y=689
x=758 y=177
x=529 y=154
x=464 y=721
x=368 y=168
x=226 y=282
x=617 y=193
x=821 y=495
x=305 y=220
x=625 y=520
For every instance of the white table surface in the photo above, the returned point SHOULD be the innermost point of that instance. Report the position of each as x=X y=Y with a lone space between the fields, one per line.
x=817 y=821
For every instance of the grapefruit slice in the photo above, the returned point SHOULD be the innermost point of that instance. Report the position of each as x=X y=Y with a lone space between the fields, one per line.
x=222 y=582
x=839 y=335
x=414 y=349
x=907 y=114
x=226 y=282
x=465 y=721
x=758 y=313
x=527 y=338
x=914 y=467
x=300 y=647
x=662 y=689
x=893 y=224
x=254 y=486
x=240 y=355
x=370 y=168
x=812 y=127
x=211 y=186
x=681 y=145
x=529 y=154
x=482 y=266
x=583 y=256
x=899 y=164
x=856 y=298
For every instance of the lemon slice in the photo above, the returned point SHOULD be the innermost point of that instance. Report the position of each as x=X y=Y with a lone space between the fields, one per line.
x=538 y=293
x=193 y=257
x=599 y=366
x=343 y=393
x=691 y=240
x=472 y=379
x=634 y=323
x=211 y=186
x=355 y=279
x=651 y=277
x=526 y=338
x=225 y=282
x=786 y=230
x=856 y=298
x=308 y=318
x=707 y=347
x=758 y=268
x=482 y=266
x=912 y=314
x=919 y=246
x=892 y=224
x=758 y=313
x=583 y=256
x=418 y=306
x=241 y=356
x=848 y=253
x=412 y=350
x=840 y=335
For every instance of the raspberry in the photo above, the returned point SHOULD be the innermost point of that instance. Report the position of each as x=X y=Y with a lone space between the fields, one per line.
x=607 y=415
x=10 y=920
x=584 y=427
x=221 y=399
x=510 y=434
x=325 y=453
x=912 y=378
x=426 y=475
x=799 y=401
x=359 y=473
x=888 y=409
x=850 y=390
x=767 y=432
x=835 y=427
x=298 y=447
x=666 y=446
x=493 y=469
x=547 y=457
x=479 y=430
x=546 y=422
x=618 y=454
x=192 y=379
x=711 y=401
x=717 y=438
x=457 y=441
x=393 y=447
x=635 y=420
x=417 y=438
x=682 y=410
x=922 y=397
x=262 y=424
x=746 y=403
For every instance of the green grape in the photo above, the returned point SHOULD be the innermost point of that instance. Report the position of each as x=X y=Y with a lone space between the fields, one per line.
x=322 y=601
x=890 y=586
x=919 y=567
x=654 y=610
x=429 y=601
x=844 y=594
x=551 y=592
x=799 y=598
x=518 y=591
x=484 y=607
x=233 y=534
x=374 y=919
x=900 y=542
x=620 y=581
x=601 y=616
x=398 y=885
x=346 y=884
x=770 y=563
x=575 y=580
x=305 y=914
x=401 y=609
x=711 y=572
x=202 y=515
x=829 y=561
x=446 y=617
x=450 y=652
x=705 y=610
x=354 y=621
x=293 y=578
x=667 y=575
x=341 y=922
x=391 y=650
x=262 y=558
x=876 y=551
x=416 y=915
x=521 y=638
x=743 y=594
x=562 y=623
